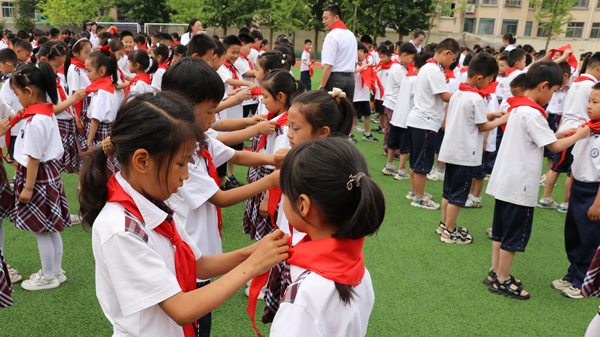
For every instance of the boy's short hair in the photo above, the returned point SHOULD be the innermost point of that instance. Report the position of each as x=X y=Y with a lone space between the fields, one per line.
x=544 y=71
x=54 y=32
x=195 y=79
x=593 y=62
x=468 y=58
x=448 y=44
x=483 y=64
x=307 y=41
x=388 y=43
x=165 y=36
x=246 y=38
x=333 y=9
x=200 y=44
x=23 y=45
x=366 y=39
x=566 y=68
x=362 y=47
x=596 y=86
x=8 y=55
x=139 y=39
x=244 y=30
x=175 y=36
x=528 y=48
x=220 y=49
x=126 y=33
x=519 y=82
x=156 y=35
x=515 y=56
x=264 y=42
x=383 y=50
x=256 y=35
x=407 y=48
x=231 y=40
x=421 y=58
x=254 y=25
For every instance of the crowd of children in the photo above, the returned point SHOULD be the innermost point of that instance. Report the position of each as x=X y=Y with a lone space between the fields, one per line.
x=154 y=129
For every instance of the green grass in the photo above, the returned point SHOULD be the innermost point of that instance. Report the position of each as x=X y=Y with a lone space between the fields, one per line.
x=422 y=286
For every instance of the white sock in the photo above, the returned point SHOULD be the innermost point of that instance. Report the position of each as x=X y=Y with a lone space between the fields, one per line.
x=46 y=249
x=58 y=251
x=547 y=200
x=477 y=199
x=471 y=196
x=2 y=236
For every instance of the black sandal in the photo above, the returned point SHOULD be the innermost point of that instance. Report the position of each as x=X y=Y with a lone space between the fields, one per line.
x=504 y=289
x=491 y=273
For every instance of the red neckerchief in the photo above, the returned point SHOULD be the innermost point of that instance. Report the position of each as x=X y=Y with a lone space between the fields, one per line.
x=232 y=68
x=144 y=47
x=338 y=25
x=281 y=121
x=262 y=50
x=46 y=109
x=436 y=63
x=310 y=62
x=490 y=88
x=105 y=83
x=370 y=78
x=411 y=73
x=449 y=74
x=247 y=59
x=163 y=65
x=78 y=63
x=185 y=261
x=594 y=126
x=212 y=171
x=62 y=70
x=338 y=260
x=387 y=65
x=122 y=75
x=509 y=71
x=62 y=94
x=582 y=78
x=139 y=77
x=463 y=70
x=517 y=101
x=468 y=87
x=126 y=52
x=78 y=104
x=254 y=47
x=572 y=61
x=411 y=66
x=256 y=91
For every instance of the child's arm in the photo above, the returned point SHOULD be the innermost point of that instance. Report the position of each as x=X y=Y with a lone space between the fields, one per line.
x=361 y=68
x=564 y=57
x=234 y=124
x=250 y=73
x=4 y=126
x=93 y=128
x=240 y=136
x=32 y=170
x=304 y=61
x=594 y=210
x=445 y=96
x=240 y=83
x=492 y=123
x=251 y=159
x=230 y=101
x=563 y=143
x=62 y=106
x=239 y=194
x=186 y=308
x=122 y=85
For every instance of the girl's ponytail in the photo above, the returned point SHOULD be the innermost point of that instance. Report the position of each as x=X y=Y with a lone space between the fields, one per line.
x=40 y=76
x=347 y=114
x=48 y=80
x=322 y=110
x=153 y=67
x=93 y=178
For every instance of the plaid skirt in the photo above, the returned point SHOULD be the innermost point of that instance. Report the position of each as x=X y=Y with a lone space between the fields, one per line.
x=84 y=119
x=48 y=209
x=68 y=136
x=5 y=285
x=279 y=279
x=253 y=223
x=7 y=201
x=104 y=130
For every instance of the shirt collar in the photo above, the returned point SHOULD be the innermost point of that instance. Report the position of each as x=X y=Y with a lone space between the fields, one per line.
x=590 y=76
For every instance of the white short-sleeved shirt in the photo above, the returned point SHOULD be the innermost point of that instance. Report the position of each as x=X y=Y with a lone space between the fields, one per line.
x=361 y=91
x=77 y=79
x=557 y=102
x=463 y=141
x=235 y=111
x=383 y=75
x=586 y=159
x=339 y=51
x=418 y=48
x=243 y=66
x=185 y=38
x=103 y=106
x=139 y=87
x=507 y=93
x=3 y=44
x=404 y=102
x=462 y=76
x=253 y=55
x=516 y=174
x=428 y=110
x=275 y=141
x=510 y=47
x=157 y=79
x=123 y=64
x=136 y=271
x=576 y=101
x=38 y=138
x=305 y=57
x=492 y=106
x=5 y=112
x=452 y=85
x=63 y=115
x=197 y=214
x=500 y=88
x=395 y=77
x=374 y=57
x=7 y=94
x=317 y=310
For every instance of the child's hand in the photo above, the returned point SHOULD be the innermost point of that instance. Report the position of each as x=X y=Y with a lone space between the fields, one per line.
x=25 y=195
x=264 y=207
x=582 y=132
x=594 y=213
x=266 y=127
x=564 y=133
x=497 y=114
x=242 y=95
x=279 y=156
x=271 y=250
x=568 y=52
x=80 y=94
x=4 y=126
x=504 y=117
x=258 y=118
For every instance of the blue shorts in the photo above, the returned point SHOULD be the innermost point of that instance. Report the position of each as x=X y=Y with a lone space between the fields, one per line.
x=512 y=225
x=564 y=165
x=422 y=149
x=362 y=108
x=398 y=139
x=379 y=107
x=440 y=139
x=479 y=171
x=457 y=184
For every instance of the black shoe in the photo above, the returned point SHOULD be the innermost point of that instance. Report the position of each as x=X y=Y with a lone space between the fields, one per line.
x=234 y=181
x=227 y=186
x=377 y=129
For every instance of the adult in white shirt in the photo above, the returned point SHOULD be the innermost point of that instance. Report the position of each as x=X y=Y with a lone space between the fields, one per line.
x=195 y=27
x=509 y=41
x=417 y=39
x=339 y=54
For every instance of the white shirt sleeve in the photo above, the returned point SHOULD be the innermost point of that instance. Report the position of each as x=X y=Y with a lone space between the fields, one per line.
x=31 y=143
x=480 y=109
x=242 y=65
x=100 y=108
x=224 y=73
x=539 y=130
x=293 y=320
x=157 y=79
x=330 y=49
x=438 y=83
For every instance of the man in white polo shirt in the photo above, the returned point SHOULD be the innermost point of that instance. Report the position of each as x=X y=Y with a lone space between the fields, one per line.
x=339 y=54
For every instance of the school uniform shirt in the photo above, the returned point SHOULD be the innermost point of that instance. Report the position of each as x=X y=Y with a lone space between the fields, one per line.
x=404 y=102
x=120 y=92
x=305 y=57
x=103 y=106
x=235 y=111
x=339 y=51
x=463 y=142
x=375 y=59
x=185 y=38
x=5 y=112
x=396 y=74
x=452 y=85
x=135 y=267
x=139 y=87
x=7 y=94
x=557 y=102
x=507 y=93
x=586 y=159
x=316 y=308
x=510 y=47
x=253 y=55
x=123 y=64
x=500 y=87
x=275 y=141
x=284 y=225
x=461 y=77
x=516 y=174
x=157 y=79
x=576 y=101
x=77 y=79
x=3 y=44
x=383 y=75
x=243 y=66
x=361 y=91
x=428 y=110
x=38 y=138
x=63 y=115
x=492 y=106
x=461 y=60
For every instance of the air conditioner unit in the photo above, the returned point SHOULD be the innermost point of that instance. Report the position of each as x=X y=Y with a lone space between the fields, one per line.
x=470 y=9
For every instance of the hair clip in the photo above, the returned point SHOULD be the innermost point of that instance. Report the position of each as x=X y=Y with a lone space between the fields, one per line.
x=154 y=94
x=37 y=66
x=105 y=49
x=354 y=180
x=108 y=147
x=337 y=92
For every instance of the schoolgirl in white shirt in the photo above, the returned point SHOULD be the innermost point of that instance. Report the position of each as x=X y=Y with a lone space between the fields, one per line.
x=77 y=76
x=146 y=263
x=161 y=54
x=142 y=65
x=40 y=202
x=117 y=48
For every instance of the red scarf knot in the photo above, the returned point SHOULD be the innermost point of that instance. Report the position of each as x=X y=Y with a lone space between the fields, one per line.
x=45 y=109
x=232 y=68
x=470 y=88
x=144 y=77
x=338 y=25
x=281 y=121
x=104 y=83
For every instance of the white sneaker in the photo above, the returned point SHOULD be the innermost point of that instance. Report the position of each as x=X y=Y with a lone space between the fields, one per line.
x=75 y=219
x=38 y=282
x=411 y=196
x=561 y=284
x=390 y=170
x=543 y=180
x=261 y=295
x=426 y=204
x=358 y=128
x=469 y=203
x=572 y=292
x=60 y=276
x=435 y=176
x=547 y=204
x=402 y=175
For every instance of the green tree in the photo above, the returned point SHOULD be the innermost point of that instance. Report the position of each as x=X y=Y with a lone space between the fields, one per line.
x=182 y=11
x=24 y=14
x=144 y=10
x=553 y=15
x=68 y=12
x=286 y=15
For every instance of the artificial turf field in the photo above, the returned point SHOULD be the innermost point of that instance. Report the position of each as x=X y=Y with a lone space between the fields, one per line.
x=423 y=287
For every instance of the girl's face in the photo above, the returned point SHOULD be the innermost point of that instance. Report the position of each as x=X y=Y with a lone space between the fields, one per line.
x=135 y=68
x=299 y=128
x=205 y=113
x=56 y=63
x=593 y=107
x=83 y=53
x=196 y=28
x=119 y=54
x=273 y=104
x=177 y=172
x=503 y=67
x=27 y=96
x=260 y=73
x=93 y=73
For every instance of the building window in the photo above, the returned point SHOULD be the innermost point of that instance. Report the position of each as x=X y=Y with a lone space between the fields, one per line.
x=542 y=32
x=531 y=6
x=581 y=4
x=595 y=33
x=469 y=26
x=472 y=2
x=509 y=26
x=448 y=10
x=486 y=26
x=512 y=3
x=528 y=25
x=7 y=10
x=575 y=29
x=598 y=5
x=489 y=2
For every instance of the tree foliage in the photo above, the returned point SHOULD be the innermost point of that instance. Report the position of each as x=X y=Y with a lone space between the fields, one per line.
x=182 y=11
x=553 y=15
x=68 y=12
x=147 y=11
x=24 y=14
x=287 y=15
